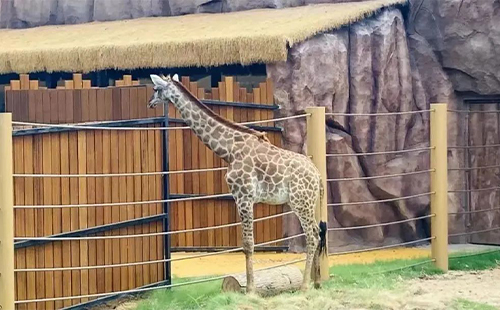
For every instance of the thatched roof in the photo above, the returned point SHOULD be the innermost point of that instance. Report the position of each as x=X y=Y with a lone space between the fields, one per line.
x=245 y=37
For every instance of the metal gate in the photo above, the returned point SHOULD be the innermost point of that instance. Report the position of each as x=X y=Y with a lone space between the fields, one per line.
x=482 y=157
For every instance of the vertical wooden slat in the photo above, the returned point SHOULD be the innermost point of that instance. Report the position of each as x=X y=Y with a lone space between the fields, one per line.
x=29 y=191
x=122 y=181
x=178 y=149
x=47 y=197
x=63 y=103
x=99 y=190
x=195 y=144
x=188 y=177
x=25 y=81
x=82 y=184
x=107 y=192
x=136 y=146
x=20 y=222
x=91 y=185
x=266 y=225
x=217 y=183
x=129 y=137
x=159 y=195
x=225 y=112
x=258 y=209
x=141 y=97
x=115 y=187
x=74 y=189
x=203 y=205
x=77 y=81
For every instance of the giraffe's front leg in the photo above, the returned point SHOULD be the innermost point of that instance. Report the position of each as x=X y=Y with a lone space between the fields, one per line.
x=245 y=210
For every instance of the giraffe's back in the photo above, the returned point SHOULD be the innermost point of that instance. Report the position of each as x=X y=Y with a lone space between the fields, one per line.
x=268 y=174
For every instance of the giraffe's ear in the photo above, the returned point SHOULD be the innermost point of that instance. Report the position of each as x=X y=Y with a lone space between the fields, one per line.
x=158 y=81
x=175 y=77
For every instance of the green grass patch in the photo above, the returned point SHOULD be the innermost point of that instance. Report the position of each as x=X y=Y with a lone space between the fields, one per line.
x=464 y=304
x=353 y=282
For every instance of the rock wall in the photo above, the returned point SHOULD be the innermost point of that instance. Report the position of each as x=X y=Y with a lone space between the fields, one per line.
x=32 y=13
x=370 y=67
x=465 y=36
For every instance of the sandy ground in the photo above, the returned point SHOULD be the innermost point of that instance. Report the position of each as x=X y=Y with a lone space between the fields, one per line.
x=440 y=292
x=235 y=262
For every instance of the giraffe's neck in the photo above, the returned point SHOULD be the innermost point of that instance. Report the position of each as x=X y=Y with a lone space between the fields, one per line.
x=216 y=135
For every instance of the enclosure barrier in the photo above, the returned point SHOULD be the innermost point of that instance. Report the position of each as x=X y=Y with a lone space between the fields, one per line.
x=439 y=185
x=471 y=189
x=315 y=118
x=7 y=283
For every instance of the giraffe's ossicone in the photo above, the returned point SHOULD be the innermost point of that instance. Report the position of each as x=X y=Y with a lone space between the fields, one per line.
x=258 y=172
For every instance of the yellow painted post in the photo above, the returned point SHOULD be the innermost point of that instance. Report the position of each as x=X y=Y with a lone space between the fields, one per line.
x=316 y=148
x=439 y=185
x=6 y=214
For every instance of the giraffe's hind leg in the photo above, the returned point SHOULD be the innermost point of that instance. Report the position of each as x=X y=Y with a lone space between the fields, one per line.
x=305 y=212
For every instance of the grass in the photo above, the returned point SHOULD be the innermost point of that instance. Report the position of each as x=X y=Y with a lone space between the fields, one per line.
x=356 y=284
x=464 y=304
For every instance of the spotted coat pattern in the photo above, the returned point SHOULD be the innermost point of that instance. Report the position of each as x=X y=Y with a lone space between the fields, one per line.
x=258 y=172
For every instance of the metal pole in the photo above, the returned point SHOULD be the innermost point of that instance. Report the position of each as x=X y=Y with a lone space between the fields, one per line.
x=6 y=214
x=439 y=185
x=166 y=196
x=316 y=148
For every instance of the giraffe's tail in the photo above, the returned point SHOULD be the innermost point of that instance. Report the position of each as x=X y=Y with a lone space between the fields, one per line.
x=322 y=238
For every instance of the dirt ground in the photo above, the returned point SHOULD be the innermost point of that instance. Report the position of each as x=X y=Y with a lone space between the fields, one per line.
x=235 y=262
x=440 y=292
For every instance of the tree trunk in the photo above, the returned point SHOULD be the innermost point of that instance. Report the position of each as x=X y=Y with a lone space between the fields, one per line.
x=267 y=282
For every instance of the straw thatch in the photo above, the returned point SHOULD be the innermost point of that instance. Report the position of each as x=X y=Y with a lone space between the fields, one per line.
x=246 y=37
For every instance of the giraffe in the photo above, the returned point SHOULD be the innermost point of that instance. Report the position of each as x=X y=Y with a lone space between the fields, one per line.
x=258 y=172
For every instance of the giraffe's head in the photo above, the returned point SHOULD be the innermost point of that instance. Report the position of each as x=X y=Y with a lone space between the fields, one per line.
x=164 y=89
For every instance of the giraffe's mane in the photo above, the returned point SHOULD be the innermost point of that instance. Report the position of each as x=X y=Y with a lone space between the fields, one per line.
x=216 y=116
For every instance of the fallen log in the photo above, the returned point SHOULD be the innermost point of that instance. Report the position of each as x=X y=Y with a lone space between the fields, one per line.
x=267 y=282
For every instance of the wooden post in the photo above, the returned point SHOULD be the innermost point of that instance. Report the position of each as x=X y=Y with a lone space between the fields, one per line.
x=316 y=148
x=439 y=185
x=6 y=214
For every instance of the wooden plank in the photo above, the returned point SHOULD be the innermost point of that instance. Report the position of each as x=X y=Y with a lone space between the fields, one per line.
x=64 y=213
x=39 y=228
x=74 y=193
x=82 y=188
x=266 y=225
x=115 y=192
x=159 y=195
x=127 y=80
x=146 y=276
x=29 y=192
x=47 y=198
x=258 y=209
x=107 y=190
x=178 y=149
x=99 y=190
x=34 y=85
x=202 y=211
x=122 y=210
x=91 y=187
x=137 y=189
x=172 y=178
x=19 y=220
x=129 y=138
x=217 y=182
x=77 y=81
x=25 y=81
x=152 y=207
x=188 y=177
x=153 y=268
x=195 y=164
x=122 y=181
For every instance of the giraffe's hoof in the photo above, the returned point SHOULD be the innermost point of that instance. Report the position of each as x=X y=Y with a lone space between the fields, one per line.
x=317 y=285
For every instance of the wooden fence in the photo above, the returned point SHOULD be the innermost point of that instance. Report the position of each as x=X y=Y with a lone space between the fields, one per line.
x=103 y=151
